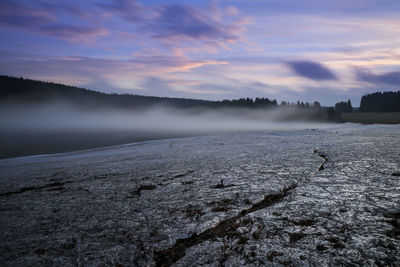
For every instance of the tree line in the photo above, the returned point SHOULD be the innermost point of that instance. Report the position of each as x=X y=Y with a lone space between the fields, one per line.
x=20 y=90
x=380 y=102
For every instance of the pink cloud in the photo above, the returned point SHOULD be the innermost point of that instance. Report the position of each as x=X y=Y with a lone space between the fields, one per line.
x=72 y=33
x=139 y=67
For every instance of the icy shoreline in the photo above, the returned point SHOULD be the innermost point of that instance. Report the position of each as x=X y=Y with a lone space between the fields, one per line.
x=218 y=199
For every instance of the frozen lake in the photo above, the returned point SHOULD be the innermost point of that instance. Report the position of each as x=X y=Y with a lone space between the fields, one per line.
x=281 y=197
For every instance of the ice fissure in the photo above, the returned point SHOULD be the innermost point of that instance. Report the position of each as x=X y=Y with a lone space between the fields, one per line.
x=169 y=256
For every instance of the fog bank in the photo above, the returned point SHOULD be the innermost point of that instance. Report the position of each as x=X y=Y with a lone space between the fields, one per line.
x=64 y=117
x=61 y=127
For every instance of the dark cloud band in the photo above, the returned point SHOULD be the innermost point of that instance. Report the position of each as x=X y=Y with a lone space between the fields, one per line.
x=311 y=70
x=392 y=78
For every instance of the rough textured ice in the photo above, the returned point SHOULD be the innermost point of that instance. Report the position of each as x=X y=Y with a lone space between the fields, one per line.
x=298 y=198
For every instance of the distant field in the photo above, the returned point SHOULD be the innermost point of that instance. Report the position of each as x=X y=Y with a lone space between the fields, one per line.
x=373 y=117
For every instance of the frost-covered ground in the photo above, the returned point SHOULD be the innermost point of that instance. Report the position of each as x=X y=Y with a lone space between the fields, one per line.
x=305 y=197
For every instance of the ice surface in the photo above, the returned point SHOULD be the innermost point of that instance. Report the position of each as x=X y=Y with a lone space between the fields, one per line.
x=241 y=199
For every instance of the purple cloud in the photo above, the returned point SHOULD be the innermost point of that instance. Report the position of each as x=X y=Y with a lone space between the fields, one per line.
x=190 y=22
x=311 y=70
x=73 y=33
x=392 y=78
x=177 y=23
x=17 y=15
x=179 y=26
x=41 y=19
x=68 y=8
x=130 y=10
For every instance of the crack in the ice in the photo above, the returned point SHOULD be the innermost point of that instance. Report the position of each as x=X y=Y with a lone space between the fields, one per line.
x=323 y=156
x=171 y=255
x=34 y=188
x=57 y=183
x=182 y=174
x=141 y=188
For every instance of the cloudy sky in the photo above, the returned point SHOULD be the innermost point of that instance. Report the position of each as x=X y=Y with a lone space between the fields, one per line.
x=283 y=49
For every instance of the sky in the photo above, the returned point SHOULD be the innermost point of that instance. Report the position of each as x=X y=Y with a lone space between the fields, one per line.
x=288 y=50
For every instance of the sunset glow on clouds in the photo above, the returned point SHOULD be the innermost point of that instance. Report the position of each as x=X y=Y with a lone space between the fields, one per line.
x=282 y=49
